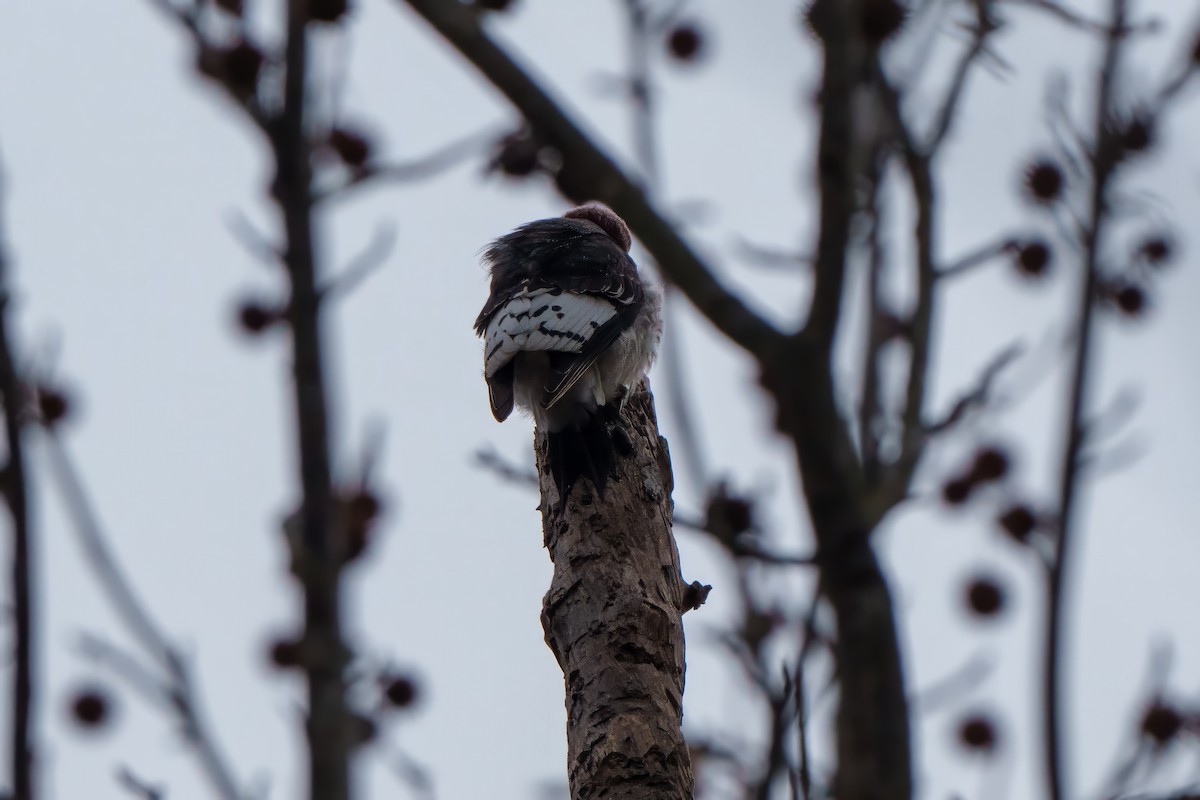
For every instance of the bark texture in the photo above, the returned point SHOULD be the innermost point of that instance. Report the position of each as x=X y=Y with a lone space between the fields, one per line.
x=612 y=619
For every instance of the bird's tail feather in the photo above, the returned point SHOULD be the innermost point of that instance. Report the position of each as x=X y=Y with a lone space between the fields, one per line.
x=583 y=451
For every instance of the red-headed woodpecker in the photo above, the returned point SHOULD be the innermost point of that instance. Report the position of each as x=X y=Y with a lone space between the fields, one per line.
x=569 y=330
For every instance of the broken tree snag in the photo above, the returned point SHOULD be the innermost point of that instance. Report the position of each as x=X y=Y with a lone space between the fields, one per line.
x=613 y=620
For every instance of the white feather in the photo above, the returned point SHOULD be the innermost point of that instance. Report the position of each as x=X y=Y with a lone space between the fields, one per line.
x=541 y=321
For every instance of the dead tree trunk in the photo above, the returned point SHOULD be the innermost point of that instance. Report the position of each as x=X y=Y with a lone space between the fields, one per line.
x=613 y=619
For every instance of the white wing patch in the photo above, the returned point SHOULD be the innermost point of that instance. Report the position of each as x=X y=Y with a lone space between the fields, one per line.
x=543 y=320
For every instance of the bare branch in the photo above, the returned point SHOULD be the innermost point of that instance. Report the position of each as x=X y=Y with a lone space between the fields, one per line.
x=871 y=403
x=14 y=482
x=767 y=257
x=809 y=638
x=978 y=396
x=750 y=549
x=803 y=780
x=642 y=34
x=782 y=714
x=953 y=687
x=976 y=258
x=175 y=681
x=139 y=676
x=443 y=159
x=985 y=24
x=325 y=648
x=839 y=165
x=1070 y=16
x=412 y=774
x=130 y=609
x=251 y=238
x=1170 y=90
x=490 y=459
x=139 y=787
x=919 y=167
x=365 y=263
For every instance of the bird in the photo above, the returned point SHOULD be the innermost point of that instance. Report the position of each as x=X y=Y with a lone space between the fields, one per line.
x=569 y=329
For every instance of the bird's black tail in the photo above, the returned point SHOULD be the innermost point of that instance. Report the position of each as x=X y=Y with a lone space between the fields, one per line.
x=583 y=451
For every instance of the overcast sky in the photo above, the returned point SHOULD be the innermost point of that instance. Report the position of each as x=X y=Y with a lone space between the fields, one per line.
x=122 y=173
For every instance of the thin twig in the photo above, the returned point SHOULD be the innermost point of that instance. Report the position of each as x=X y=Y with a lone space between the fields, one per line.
x=871 y=403
x=413 y=775
x=984 y=26
x=978 y=395
x=1170 y=90
x=126 y=666
x=490 y=459
x=976 y=258
x=918 y=165
x=431 y=165
x=840 y=168
x=775 y=258
x=642 y=34
x=782 y=709
x=175 y=681
x=138 y=786
x=809 y=638
x=641 y=91
x=1076 y=19
x=363 y=264
x=750 y=549
x=587 y=166
x=1103 y=164
x=953 y=687
x=15 y=488
x=1155 y=682
x=130 y=609
x=251 y=238
x=292 y=191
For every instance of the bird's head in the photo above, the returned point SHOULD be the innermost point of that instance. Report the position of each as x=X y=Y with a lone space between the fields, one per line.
x=606 y=219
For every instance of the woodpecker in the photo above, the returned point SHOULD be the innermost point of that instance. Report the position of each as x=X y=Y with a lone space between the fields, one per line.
x=569 y=330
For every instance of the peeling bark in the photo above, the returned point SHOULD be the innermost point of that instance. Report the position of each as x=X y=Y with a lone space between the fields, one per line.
x=613 y=620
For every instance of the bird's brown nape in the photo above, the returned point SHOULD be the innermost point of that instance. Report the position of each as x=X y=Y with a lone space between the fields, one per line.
x=607 y=219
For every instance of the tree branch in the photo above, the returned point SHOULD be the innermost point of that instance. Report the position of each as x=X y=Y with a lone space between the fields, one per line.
x=325 y=650
x=137 y=786
x=872 y=724
x=839 y=164
x=1075 y=19
x=15 y=487
x=444 y=158
x=984 y=25
x=871 y=403
x=643 y=32
x=919 y=167
x=976 y=258
x=1103 y=163
x=176 y=682
x=978 y=395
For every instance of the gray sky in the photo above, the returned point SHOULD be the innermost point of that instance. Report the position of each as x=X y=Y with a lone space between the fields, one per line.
x=122 y=173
